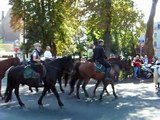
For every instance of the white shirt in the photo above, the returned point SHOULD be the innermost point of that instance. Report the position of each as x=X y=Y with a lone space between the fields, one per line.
x=48 y=55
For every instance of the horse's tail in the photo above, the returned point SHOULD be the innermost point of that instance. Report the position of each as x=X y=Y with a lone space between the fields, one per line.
x=8 y=96
x=75 y=76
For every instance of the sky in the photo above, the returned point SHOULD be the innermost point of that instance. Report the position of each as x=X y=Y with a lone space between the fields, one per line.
x=144 y=5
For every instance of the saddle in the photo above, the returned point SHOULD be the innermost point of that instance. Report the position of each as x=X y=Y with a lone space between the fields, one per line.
x=100 y=68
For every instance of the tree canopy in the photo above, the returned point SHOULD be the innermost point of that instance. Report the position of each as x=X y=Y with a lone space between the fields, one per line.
x=63 y=24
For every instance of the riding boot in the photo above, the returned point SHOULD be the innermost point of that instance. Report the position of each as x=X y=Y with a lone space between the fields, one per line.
x=107 y=74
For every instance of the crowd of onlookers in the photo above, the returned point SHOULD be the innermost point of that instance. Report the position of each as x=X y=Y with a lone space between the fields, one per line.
x=138 y=62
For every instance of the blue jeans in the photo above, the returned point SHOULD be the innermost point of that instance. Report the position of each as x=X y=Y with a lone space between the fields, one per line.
x=136 y=70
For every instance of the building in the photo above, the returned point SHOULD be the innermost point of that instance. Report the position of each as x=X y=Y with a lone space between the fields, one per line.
x=156 y=38
x=7 y=34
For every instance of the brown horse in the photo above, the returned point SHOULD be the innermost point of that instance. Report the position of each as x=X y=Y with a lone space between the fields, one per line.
x=84 y=71
x=5 y=64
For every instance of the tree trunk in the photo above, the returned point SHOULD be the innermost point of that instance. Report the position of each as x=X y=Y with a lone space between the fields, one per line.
x=107 y=34
x=149 y=50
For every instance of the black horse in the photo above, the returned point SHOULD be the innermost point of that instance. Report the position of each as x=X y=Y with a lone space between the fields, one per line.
x=54 y=69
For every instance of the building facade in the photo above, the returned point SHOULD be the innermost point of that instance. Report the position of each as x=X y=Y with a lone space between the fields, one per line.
x=156 y=38
x=7 y=34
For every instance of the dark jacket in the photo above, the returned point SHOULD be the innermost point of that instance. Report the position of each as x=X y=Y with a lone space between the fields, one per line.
x=38 y=55
x=98 y=53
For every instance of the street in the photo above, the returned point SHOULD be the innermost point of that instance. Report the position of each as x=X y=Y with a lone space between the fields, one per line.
x=137 y=100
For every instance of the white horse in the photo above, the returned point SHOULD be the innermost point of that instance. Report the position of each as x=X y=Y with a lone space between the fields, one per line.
x=156 y=76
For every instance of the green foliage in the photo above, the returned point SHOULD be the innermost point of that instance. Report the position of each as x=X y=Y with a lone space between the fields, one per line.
x=126 y=24
x=63 y=23
x=47 y=21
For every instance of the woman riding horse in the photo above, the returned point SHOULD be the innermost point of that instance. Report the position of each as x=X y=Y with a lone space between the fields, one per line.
x=54 y=69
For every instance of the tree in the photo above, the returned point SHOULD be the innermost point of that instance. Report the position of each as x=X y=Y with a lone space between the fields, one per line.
x=149 y=50
x=46 y=21
x=119 y=26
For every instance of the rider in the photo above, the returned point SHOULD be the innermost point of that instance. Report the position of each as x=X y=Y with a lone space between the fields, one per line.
x=99 y=56
x=90 y=53
x=47 y=54
x=36 y=61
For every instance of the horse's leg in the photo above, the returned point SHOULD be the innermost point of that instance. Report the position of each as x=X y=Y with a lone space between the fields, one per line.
x=66 y=75
x=37 y=90
x=17 y=95
x=104 y=88
x=114 y=93
x=60 y=84
x=94 y=91
x=54 y=90
x=8 y=95
x=78 y=86
x=74 y=78
x=42 y=95
x=30 y=88
x=84 y=87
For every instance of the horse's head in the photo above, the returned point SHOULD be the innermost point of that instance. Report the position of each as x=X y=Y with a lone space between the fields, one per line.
x=15 y=61
x=68 y=62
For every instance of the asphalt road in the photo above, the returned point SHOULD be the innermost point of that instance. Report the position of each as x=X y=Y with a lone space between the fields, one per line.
x=137 y=100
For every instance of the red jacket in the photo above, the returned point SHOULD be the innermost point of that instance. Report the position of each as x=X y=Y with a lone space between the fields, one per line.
x=137 y=63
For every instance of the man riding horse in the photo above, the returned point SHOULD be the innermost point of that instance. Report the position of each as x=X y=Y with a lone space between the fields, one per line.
x=99 y=56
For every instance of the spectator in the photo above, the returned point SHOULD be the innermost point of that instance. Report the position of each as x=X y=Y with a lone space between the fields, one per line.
x=136 y=66
x=145 y=60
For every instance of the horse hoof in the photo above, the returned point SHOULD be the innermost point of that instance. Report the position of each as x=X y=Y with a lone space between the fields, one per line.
x=62 y=91
x=88 y=100
x=100 y=99
x=40 y=106
x=61 y=105
x=22 y=105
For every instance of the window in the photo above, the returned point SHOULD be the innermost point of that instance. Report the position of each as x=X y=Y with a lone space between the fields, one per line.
x=155 y=35
x=155 y=44
x=158 y=26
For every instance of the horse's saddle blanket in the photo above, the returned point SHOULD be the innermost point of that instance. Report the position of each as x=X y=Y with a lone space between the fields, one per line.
x=30 y=73
x=100 y=68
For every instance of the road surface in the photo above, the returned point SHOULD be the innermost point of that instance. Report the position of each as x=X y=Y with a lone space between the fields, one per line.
x=137 y=100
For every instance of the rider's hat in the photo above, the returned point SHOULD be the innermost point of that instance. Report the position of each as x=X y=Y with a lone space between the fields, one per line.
x=37 y=44
x=100 y=40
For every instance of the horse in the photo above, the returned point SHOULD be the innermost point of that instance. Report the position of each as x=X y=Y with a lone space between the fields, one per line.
x=53 y=69
x=124 y=65
x=4 y=65
x=84 y=71
x=64 y=76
